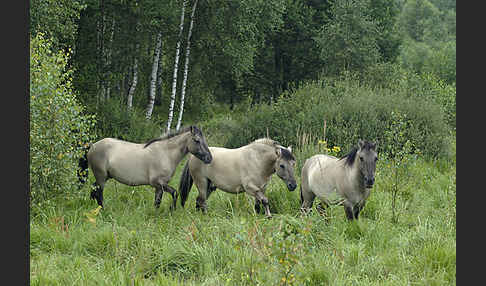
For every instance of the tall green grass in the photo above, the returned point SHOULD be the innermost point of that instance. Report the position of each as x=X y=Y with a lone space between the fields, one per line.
x=132 y=243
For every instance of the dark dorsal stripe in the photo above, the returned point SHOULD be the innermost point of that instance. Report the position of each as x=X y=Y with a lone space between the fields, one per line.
x=171 y=134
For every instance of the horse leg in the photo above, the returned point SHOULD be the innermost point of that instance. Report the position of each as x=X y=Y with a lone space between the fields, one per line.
x=158 y=196
x=357 y=209
x=202 y=185
x=101 y=177
x=307 y=198
x=210 y=188
x=97 y=193
x=264 y=201
x=349 y=209
x=173 y=193
x=257 y=206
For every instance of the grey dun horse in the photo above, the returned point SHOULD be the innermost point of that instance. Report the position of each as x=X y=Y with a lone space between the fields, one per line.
x=245 y=169
x=152 y=163
x=334 y=181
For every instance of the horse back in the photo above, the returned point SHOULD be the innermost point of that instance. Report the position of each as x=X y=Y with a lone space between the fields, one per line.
x=224 y=171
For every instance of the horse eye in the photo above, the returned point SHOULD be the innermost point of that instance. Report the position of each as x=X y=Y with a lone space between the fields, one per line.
x=282 y=166
x=376 y=159
x=361 y=158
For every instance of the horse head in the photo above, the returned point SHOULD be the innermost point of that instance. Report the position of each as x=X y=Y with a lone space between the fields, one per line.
x=367 y=157
x=284 y=166
x=198 y=147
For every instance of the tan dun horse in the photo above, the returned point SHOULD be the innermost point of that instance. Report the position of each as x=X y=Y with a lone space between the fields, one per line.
x=346 y=181
x=152 y=163
x=245 y=169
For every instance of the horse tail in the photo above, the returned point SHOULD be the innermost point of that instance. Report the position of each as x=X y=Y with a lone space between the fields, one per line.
x=83 y=165
x=185 y=183
x=301 y=195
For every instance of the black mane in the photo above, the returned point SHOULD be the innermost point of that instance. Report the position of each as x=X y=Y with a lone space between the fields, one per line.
x=352 y=154
x=287 y=155
x=169 y=135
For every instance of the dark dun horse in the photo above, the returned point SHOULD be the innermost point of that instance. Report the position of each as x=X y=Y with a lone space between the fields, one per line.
x=152 y=163
x=245 y=169
x=346 y=181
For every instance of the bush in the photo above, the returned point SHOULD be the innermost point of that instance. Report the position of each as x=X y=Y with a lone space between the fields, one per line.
x=351 y=109
x=58 y=126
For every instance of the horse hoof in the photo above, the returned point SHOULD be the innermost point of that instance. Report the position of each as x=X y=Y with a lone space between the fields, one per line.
x=269 y=217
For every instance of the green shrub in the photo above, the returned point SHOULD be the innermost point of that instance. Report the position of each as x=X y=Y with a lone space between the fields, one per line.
x=58 y=126
x=351 y=109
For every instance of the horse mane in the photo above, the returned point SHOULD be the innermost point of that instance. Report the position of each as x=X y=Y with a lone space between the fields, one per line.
x=266 y=141
x=351 y=156
x=286 y=154
x=169 y=135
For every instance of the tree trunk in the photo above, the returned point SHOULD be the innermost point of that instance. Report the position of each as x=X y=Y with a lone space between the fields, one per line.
x=131 y=91
x=158 y=94
x=153 y=77
x=186 y=67
x=101 y=53
x=176 y=65
x=108 y=59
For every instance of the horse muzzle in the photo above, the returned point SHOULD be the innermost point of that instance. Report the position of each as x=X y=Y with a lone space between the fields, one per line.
x=207 y=158
x=292 y=186
x=369 y=182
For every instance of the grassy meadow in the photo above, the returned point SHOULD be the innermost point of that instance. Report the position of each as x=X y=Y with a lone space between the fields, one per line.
x=132 y=243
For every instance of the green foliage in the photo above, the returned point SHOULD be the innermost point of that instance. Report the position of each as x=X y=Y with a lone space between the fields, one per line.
x=116 y=121
x=59 y=127
x=429 y=34
x=57 y=19
x=352 y=110
x=399 y=149
x=348 y=41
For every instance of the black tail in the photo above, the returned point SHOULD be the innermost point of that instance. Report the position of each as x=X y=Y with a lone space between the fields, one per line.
x=83 y=166
x=301 y=196
x=185 y=183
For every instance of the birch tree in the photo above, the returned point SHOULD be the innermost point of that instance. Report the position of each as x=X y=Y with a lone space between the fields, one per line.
x=131 y=91
x=186 y=66
x=176 y=66
x=153 y=77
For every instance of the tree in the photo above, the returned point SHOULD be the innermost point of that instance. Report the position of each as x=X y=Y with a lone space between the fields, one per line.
x=176 y=66
x=57 y=19
x=153 y=78
x=59 y=127
x=348 y=41
x=186 y=66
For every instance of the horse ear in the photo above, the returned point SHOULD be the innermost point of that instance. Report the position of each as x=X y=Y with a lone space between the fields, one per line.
x=361 y=144
x=278 y=151
x=374 y=146
x=290 y=149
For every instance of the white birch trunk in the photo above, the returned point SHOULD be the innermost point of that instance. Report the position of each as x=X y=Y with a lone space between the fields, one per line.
x=153 y=77
x=159 y=80
x=186 y=67
x=176 y=65
x=131 y=91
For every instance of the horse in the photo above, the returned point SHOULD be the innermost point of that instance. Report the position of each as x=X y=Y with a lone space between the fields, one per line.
x=346 y=181
x=245 y=169
x=152 y=163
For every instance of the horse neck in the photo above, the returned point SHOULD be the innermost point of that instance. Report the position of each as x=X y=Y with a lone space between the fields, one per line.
x=176 y=146
x=354 y=174
x=267 y=156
